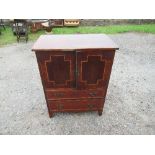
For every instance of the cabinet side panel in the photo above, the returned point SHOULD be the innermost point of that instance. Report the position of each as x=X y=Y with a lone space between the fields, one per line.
x=109 y=72
x=41 y=76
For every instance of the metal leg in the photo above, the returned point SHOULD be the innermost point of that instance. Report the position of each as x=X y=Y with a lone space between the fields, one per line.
x=4 y=27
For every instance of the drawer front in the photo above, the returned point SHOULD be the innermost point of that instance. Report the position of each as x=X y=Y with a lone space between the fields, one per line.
x=76 y=105
x=73 y=94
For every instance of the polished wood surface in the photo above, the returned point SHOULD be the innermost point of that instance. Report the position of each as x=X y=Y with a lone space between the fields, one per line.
x=74 y=80
x=73 y=42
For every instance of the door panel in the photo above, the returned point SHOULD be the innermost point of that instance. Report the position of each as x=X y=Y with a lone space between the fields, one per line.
x=57 y=68
x=93 y=68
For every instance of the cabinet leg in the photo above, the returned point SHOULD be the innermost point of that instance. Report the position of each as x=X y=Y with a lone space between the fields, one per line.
x=100 y=112
x=51 y=114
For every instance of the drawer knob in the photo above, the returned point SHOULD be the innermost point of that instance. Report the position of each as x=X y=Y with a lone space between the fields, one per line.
x=91 y=106
x=77 y=100
x=59 y=94
x=60 y=106
x=92 y=94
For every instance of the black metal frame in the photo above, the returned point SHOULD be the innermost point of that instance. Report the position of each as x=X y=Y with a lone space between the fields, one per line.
x=2 y=25
x=20 y=29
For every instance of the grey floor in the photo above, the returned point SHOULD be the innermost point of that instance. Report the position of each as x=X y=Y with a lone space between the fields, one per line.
x=129 y=106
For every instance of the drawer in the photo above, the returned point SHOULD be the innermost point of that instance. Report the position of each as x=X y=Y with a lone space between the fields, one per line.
x=73 y=94
x=76 y=105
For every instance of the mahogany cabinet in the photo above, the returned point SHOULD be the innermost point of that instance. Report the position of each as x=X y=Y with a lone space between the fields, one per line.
x=75 y=70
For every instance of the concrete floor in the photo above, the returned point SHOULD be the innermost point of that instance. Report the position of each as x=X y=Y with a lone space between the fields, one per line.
x=129 y=106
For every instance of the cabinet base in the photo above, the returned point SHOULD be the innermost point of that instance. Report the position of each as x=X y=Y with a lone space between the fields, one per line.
x=51 y=114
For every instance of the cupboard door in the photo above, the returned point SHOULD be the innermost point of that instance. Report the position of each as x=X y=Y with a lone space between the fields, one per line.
x=57 y=68
x=93 y=68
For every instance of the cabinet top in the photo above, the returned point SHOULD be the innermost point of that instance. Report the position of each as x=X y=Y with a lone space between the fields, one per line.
x=73 y=42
